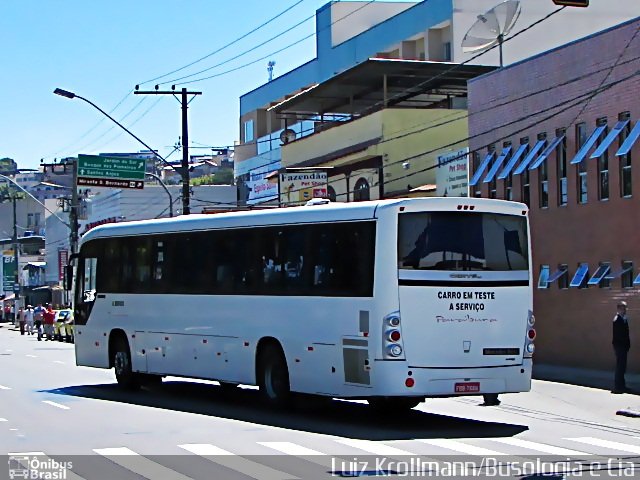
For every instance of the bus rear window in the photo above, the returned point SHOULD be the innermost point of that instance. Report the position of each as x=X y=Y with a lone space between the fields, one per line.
x=462 y=241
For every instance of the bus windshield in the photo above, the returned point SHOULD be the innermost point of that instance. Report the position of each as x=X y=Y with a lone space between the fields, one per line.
x=462 y=241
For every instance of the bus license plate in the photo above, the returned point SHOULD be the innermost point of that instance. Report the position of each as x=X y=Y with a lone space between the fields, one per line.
x=467 y=387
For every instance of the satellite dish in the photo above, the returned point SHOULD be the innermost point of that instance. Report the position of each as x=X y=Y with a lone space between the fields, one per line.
x=287 y=136
x=491 y=27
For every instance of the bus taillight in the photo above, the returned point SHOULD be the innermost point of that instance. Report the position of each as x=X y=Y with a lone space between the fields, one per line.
x=530 y=336
x=392 y=347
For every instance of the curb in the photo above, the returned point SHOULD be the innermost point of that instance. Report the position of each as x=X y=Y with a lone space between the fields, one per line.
x=628 y=412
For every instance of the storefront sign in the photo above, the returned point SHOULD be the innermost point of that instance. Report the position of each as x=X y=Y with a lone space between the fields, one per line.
x=297 y=188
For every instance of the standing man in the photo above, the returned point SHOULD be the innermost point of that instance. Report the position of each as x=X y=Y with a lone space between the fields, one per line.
x=48 y=319
x=621 y=344
x=38 y=317
x=28 y=319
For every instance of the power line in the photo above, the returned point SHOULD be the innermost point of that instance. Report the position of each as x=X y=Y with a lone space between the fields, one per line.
x=266 y=56
x=95 y=140
x=97 y=124
x=233 y=42
x=140 y=117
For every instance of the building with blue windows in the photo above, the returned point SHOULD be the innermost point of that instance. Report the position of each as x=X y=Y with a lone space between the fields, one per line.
x=349 y=34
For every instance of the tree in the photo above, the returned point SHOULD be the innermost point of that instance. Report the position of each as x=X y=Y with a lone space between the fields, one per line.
x=8 y=166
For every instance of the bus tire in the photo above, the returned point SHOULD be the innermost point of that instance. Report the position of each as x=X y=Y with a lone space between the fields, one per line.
x=273 y=378
x=125 y=376
x=397 y=404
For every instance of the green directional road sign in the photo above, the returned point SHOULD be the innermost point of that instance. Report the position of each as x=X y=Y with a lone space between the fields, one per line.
x=114 y=168
x=8 y=272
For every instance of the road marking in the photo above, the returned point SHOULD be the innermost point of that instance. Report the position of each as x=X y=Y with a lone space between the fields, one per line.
x=461 y=447
x=2 y=387
x=234 y=462
x=540 y=447
x=25 y=454
x=136 y=463
x=377 y=448
x=31 y=356
x=3 y=419
x=58 y=405
x=58 y=361
x=597 y=442
x=305 y=453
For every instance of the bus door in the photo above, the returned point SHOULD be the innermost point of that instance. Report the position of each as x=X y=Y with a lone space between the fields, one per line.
x=86 y=316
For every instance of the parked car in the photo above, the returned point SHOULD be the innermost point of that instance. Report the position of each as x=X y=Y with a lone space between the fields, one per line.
x=63 y=325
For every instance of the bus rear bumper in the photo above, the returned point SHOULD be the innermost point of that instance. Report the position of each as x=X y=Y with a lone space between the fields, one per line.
x=448 y=382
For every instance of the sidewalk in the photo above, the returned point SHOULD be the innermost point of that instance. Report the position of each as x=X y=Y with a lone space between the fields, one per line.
x=582 y=376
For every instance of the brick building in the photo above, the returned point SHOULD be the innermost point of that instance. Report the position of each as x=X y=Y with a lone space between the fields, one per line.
x=557 y=131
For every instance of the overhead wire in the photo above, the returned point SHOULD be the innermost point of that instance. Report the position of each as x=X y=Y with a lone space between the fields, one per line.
x=227 y=45
x=102 y=135
x=140 y=117
x=286 y=47
x=96 y=125
x=99 y=122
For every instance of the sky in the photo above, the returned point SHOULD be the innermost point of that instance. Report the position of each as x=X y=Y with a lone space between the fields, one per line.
x=100 y=49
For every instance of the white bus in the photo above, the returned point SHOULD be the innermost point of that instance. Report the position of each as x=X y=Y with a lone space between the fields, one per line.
x=391 y=301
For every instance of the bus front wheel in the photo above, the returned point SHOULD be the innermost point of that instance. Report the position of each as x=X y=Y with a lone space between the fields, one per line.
x=126 y=378
x=397 y=404
x=273 y=377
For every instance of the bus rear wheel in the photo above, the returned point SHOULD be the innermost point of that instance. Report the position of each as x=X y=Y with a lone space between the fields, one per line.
x=125 y=376
x=273 y=378
x=397 y=404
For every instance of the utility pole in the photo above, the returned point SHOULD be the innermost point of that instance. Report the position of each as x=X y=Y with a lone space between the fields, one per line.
x=73 y=212
x=16 y=282
x=184 y=171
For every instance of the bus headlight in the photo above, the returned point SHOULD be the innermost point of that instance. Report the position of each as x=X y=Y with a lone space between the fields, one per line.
x=394 y=350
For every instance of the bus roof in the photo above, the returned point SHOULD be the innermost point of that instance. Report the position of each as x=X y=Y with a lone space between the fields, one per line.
x=332 y=212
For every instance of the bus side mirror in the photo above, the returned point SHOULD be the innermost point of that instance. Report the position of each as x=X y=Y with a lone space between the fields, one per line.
x=68 y=277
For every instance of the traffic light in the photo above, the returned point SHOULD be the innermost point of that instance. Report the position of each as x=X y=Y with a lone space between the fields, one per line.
x=572 y=3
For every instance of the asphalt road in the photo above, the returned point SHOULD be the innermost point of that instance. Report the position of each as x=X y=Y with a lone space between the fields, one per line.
x=53 y=412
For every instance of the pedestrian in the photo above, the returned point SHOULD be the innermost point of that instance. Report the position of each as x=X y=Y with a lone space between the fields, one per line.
x=49 y=317
x=7 y=312
x=21 y=320
x=28 y=319
x=38 y=317
x=621 y=344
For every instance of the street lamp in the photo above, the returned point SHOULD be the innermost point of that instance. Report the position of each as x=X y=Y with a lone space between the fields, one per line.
x=68 y=94
x=165 y=189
